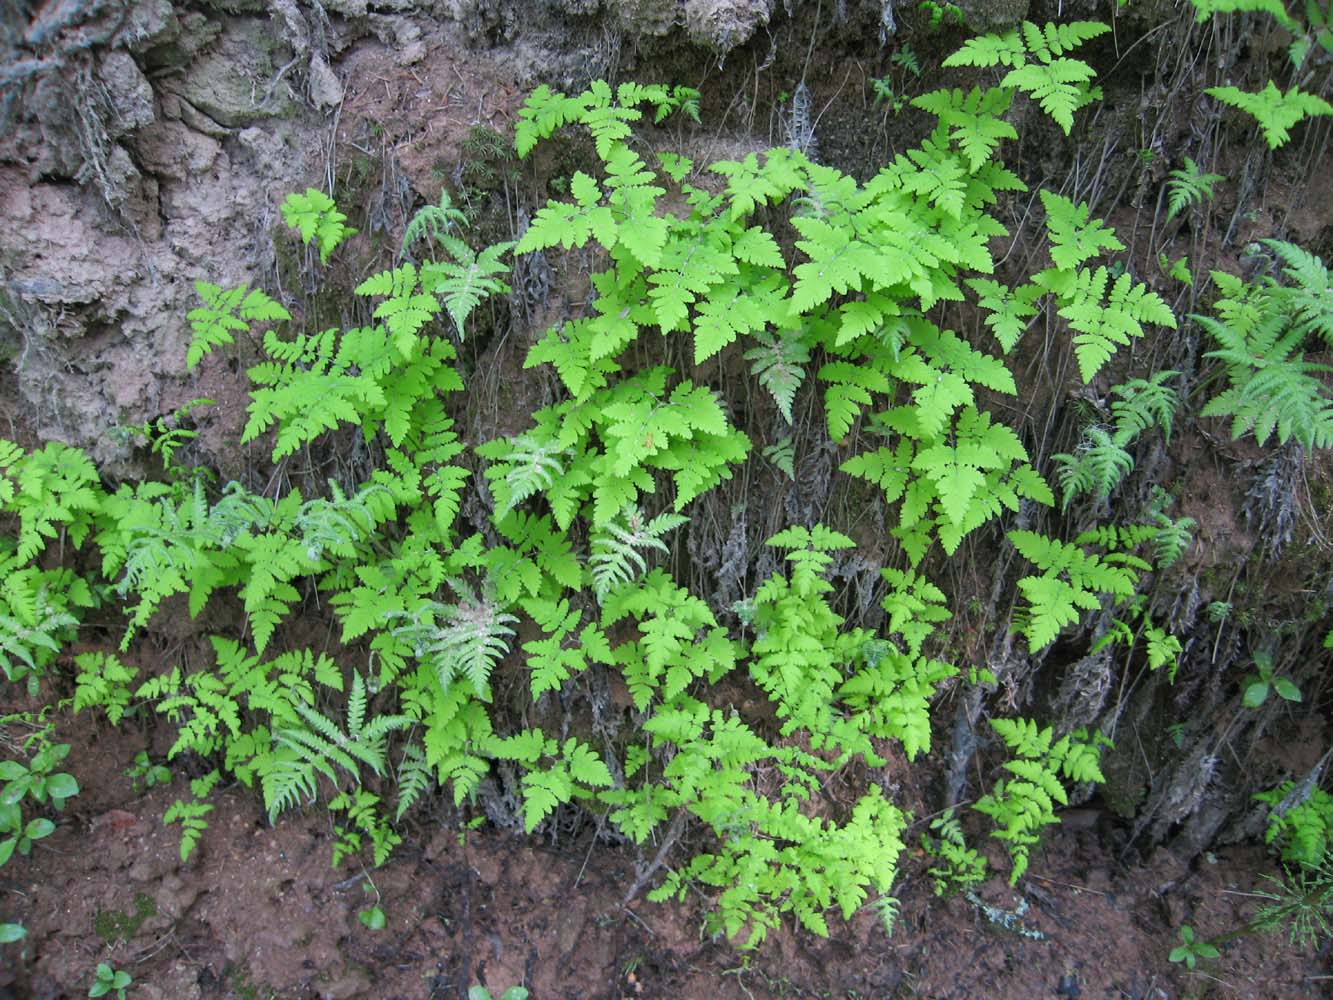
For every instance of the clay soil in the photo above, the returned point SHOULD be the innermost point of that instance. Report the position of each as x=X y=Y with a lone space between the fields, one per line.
x=258 y=912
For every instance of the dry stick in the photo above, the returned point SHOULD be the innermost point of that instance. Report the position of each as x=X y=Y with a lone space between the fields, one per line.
x=673 y=833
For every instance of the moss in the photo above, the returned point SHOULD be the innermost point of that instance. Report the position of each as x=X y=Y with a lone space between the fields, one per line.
x=112 y=925
x=239 y=981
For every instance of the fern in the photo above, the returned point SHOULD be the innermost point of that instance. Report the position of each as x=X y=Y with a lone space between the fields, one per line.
x=56 y=493
x=1096 y=468
x=779 y=364
x=914 y=605
x=103 y=681
x=310 y=389
x=1023 y=804
x=37 y=618
x=1273 y=389
x=1074 y=237
x=467 y=279
x=225 y=313
x=459 y=640
x=190 y=815
x=315 y=743
x=317 y=218
x=551 y=660
x=1144 y=403
x=1168 y=538
x=1300 y=822
x=1102 y=326
x=1102 y=459
x=1058 y=84
x=414 y=779
x=678 y=642
x=1204 y=9
x=1009 y=310
x=1275 y=111
x=974 y=121
x=1188 y=186
x=1308 y=298
x=1072 y=580
x=432 y=222
x=615 y=556
x=363 y=818
x=574 y=770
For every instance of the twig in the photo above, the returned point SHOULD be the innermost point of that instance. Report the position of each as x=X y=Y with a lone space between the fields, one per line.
x=673 y=833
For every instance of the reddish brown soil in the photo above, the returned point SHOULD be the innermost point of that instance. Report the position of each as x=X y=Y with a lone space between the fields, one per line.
x=258 y=912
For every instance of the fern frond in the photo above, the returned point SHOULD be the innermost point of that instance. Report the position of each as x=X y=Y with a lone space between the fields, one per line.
x=616 y=556
x=467 y=279
x=317 y=218
x=225 y=313
x=990 y=50
x=1204 y=9
x=1275 y=111
x=1060 y=87
x=463 y=640
x=1010 y=311
x=1144 y=403
x=522 y=467
x=1308 y=299
x=433 y=222
x=1188 y=186
x=974 y=121
x=1273 y=389
x=1074 y=237
x=1097 y=466
x=779 y=366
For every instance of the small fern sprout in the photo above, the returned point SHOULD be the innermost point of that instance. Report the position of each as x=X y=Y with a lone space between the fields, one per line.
x=1144 y=403
x=522 y=466
x=616 y=549
x=464 y=640
x=1171 y=537
x=432 y=223
x=1096 y=467
x=1188 y=186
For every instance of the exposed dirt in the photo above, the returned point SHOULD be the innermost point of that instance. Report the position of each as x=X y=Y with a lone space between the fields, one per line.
x=258 y=912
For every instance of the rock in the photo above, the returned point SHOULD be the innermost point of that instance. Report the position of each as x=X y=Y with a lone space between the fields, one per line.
x=151 y=865
x=412 y=53
x=129 y=91
x=650 y=18
x=326 y=91
x=174 y=898
x=721 y=25
x=179 y=46
x=171 y=150
x=984 y=16
x=347 y=8
x=235 y=84
x=352 y=983
x=147 y=23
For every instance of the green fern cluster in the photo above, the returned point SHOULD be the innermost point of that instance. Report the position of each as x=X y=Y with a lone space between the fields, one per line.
x=1275 y=111
x=1102 y=459
x=825 y=290
x=1263 y=329
x=1300 y=827
x=1022 y=804
x=1040 y=65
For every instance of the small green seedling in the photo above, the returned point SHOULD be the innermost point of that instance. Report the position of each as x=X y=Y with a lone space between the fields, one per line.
x=482 y=993
x=1191 y=949
x=373 y=918
x=144 y=772
x=1258 y=685
x=108 y=980
x=9 y=933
